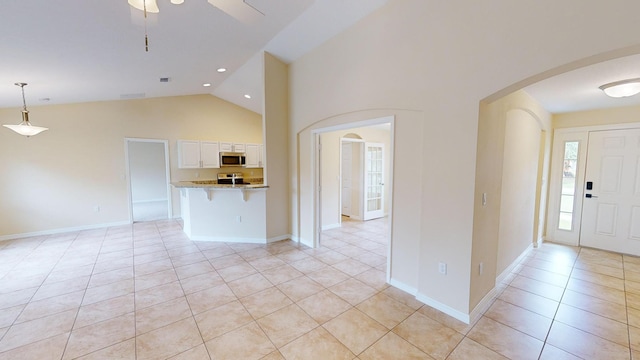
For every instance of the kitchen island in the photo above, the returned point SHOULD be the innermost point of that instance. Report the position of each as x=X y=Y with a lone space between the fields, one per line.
x=223 y=212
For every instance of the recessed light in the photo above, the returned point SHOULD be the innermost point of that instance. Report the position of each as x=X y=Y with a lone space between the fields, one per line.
x=221 y=70
x=247 y=96
x=206 y=85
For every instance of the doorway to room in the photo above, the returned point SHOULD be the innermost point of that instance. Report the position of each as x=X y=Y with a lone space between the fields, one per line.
x=148 y=173
x=341 y=171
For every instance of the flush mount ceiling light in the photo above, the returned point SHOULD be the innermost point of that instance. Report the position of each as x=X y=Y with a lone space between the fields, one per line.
x=25 y=128
x=622 y=88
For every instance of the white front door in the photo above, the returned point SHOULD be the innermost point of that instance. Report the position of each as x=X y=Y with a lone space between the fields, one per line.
x=373 y=181
x=611 y=206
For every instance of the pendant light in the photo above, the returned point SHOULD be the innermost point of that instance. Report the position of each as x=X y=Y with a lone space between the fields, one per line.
x=25 y=128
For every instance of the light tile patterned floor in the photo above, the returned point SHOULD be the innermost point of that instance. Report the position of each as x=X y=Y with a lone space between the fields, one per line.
x=146 y=292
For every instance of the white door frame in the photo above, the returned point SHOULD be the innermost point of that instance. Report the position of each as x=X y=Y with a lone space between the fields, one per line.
x=316 y=179
x=580 y=134
x=167 y=172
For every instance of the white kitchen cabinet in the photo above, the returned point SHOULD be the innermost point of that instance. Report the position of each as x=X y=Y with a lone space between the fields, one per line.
x=239 y=147
x=226 y=147
x=193 y=154
x=254 y=155
x=210 y=154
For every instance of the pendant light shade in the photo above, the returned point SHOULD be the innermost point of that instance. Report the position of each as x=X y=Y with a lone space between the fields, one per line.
x=25 y=128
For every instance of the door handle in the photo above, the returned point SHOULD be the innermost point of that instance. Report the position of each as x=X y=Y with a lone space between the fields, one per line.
x=589 y=196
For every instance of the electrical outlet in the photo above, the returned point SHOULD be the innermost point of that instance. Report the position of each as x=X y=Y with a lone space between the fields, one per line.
x=197 y=175
x=96 y=208
x=484 y=199
x=239 y=218
x=481 y=268
x=442 y=268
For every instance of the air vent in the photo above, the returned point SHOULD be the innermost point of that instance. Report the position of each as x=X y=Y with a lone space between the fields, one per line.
x=133 y=96
x=165 y=79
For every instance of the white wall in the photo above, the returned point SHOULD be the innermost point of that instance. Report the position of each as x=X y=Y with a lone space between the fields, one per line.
x=440 y=58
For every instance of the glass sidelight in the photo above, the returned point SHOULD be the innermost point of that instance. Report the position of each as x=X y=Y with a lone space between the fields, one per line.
x=568 y=192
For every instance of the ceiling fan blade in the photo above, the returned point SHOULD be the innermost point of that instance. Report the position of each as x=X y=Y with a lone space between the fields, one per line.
x=238 y=9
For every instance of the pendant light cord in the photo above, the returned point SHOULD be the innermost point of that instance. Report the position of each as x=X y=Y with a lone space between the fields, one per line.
x=24 y=101
x=146 y=38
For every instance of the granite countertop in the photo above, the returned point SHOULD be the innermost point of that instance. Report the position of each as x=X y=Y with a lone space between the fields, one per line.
x=213 y=184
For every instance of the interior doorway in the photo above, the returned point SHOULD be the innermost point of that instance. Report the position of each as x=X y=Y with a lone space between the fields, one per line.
x=374 y=243
x=148 y=173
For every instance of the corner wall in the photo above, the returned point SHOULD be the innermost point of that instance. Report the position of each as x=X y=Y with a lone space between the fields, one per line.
x=510 y=169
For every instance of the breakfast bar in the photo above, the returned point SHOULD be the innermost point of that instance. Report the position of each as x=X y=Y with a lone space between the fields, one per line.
x=223 y=212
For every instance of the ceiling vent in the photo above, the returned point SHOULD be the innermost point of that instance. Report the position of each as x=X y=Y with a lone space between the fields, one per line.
x=165 y=79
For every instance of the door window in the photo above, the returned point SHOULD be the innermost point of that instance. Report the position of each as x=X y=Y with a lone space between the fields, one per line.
x=568 y=190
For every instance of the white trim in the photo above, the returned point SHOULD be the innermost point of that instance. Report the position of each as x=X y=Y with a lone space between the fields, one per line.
x=279 y=238
x=482 y=306
x=402 y=286
x=444 y=308
x=240 y=239
x=515 y=263
x=331 y=226
x=148 y=201
x=63 y=230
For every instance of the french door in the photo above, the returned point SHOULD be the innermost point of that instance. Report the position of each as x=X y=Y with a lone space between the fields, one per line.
x=373 y=181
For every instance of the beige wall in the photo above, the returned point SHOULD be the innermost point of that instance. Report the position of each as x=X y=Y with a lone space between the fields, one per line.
x=330 y=170
x=440 y=59
x=54 y=180
x=276 y=150
x=621 y=115
x=511 y=169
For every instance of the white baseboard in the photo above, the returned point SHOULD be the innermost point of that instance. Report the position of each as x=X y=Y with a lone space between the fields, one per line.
x=482 y=306
x=148 y=201
x=279 y=238
x=62 y=230
x=404 y=287
x=331 y=226
x=515 y=263
x=229 y=239
x=444 y=308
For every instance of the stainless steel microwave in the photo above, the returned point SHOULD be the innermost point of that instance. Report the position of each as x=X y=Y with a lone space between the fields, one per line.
x=232 y=159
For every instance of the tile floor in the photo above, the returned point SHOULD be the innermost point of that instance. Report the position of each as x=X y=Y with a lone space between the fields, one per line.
x=146 y=292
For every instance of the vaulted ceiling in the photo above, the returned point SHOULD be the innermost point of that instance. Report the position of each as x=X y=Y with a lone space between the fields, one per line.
x=78 y=51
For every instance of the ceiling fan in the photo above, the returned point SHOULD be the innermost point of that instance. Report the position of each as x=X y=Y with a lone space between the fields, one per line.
x=238 y=9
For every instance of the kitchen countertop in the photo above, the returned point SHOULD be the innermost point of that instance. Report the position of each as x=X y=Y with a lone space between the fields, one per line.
x=213 y=184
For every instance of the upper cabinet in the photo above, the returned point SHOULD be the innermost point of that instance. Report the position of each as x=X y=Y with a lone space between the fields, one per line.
x=254 y=155
x=194 y=154
x=232 y=147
